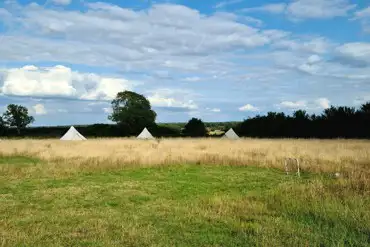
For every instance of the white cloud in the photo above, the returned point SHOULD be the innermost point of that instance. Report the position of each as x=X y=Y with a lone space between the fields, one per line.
x=319 y=9
x=308 y=9
x=364 y=13
x=4 y=14
x=172 y=99
x=347 y=64
x=187 y=43
x=192 y=79
x=317 y=104
x=318 y=45
x=32 y=81
x=311 y=65
x=213 y=109
x=307 y=68
x=107 y=110
x=301 y=104
x=94 y=37
x=355 y=53
x=104 y=88
x=61 y=81
x=248 y=107
x=252 y=20
x=276 y=35
x=97 y=103
x=313 y=59
x=62 y=2
x=323 y=103
x=39 y=109
x=227 y=3
x=363 y=16
x=276 y=8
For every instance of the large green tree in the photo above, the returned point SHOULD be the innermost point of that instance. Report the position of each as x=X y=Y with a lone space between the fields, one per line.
x=365 y=108
x=2 y=126
x=195 y=128
x=17 y=116
x=132 y=111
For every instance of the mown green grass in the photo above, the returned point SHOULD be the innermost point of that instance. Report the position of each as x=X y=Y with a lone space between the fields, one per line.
x=18 y=160
x=181 y=205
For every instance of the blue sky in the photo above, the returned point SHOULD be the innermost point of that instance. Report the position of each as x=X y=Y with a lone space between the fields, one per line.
x=217 y=60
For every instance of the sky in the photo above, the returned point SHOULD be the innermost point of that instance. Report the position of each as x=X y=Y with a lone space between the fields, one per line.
x=65 y=60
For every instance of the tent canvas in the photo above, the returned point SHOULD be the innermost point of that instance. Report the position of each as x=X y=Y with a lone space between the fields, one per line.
x=230 y=134
x=145 y=134
x=72 y=135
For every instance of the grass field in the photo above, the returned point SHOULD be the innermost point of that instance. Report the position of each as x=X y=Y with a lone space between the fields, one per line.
x=184 y=192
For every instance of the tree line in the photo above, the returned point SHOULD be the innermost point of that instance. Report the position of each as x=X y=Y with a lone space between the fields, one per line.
x=132 y=112
x=334 y=122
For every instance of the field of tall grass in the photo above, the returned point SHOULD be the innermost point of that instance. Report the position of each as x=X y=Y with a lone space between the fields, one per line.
x=184 y=192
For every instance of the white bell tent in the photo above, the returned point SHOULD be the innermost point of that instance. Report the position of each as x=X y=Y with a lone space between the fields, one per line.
x=145 y=134
x=230 y=134
x=72 y=135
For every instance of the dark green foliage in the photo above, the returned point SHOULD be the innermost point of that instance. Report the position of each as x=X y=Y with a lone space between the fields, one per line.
x=222 y=126
x=132 y=112
x=165 y=130
x=92 y=131
x=102 y=130
x=3 y=127
x=195 y=128
x=40 y=132
x=17 y=116
x=334 y=122
x=365 y=109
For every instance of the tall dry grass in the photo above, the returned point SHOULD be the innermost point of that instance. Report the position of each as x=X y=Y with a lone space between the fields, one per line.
x=345 y=156
x=315 y=210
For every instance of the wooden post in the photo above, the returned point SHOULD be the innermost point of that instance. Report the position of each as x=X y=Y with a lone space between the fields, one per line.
x=289 y=161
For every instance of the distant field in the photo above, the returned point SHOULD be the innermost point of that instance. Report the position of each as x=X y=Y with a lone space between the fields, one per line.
x=184 y=192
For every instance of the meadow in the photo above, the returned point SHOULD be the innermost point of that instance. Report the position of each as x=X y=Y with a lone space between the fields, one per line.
x=184 y=192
